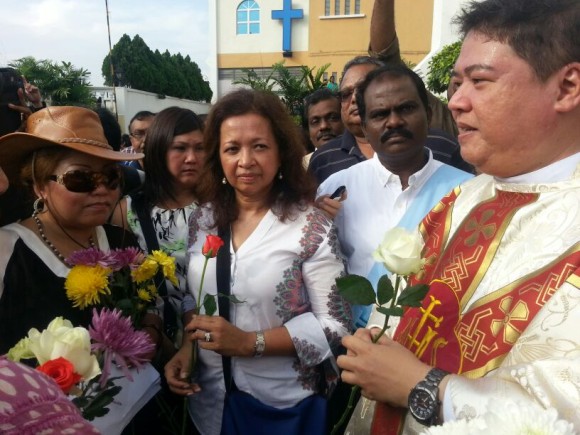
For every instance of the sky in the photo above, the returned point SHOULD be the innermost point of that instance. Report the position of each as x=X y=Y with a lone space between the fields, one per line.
x=76 y=30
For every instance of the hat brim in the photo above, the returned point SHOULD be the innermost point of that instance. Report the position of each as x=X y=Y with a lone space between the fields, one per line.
x=16 y=147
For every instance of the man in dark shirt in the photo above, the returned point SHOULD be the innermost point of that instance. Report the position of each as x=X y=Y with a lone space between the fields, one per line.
x=352 y=147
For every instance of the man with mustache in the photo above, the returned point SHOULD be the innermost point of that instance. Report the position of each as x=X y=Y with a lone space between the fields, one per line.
x=322 y=113
x=402 y=181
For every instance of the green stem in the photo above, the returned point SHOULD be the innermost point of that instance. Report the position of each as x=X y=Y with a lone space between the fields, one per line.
x=196 y=312
x=346 y=413
x=201 y=284
x=184 y=417
x=356 y=388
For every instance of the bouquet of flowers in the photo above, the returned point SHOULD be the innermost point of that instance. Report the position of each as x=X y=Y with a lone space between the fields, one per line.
x=79 y=360
x=122 y=279
x=400 y=252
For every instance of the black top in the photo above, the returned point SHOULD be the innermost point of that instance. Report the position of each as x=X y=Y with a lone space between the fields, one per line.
x=34 y=295
x=335 y=155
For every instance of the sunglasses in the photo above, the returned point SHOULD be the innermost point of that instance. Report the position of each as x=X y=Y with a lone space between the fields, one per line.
x=81 y=181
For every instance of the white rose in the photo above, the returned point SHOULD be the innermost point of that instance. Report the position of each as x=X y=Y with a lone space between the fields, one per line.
x=400 y=251
x=61 y=339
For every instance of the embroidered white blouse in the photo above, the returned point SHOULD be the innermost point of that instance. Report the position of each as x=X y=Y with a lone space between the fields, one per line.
x=285 y=275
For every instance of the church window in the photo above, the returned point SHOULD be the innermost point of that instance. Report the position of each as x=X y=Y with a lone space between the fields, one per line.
x=248 y=18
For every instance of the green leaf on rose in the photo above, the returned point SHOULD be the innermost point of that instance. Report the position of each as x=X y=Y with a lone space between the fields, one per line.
x=232 y=298
x=391 y=311
x=413 y=296
x=209 y=305
x=356 y=289
x=385 y=290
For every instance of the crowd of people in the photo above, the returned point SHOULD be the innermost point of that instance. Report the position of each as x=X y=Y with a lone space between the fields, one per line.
x=491 y=182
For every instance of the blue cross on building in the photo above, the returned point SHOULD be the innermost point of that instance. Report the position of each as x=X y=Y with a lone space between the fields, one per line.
x=287 y=14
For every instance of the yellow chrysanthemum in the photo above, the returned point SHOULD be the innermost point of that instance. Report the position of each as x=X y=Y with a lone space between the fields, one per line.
x=144 y=295
x=167 y=264
x=84 y=285
x=145 y=271
x=152 y=290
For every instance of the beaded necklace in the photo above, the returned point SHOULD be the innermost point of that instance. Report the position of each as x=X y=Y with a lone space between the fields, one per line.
x=50 y=244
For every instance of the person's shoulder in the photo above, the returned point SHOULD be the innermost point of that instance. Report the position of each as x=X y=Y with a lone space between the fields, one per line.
x=310 y=214
x=329 y=147
x=9 y=234
x=453 y=173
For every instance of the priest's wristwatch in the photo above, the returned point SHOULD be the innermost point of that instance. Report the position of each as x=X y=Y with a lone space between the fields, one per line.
x=424 y=398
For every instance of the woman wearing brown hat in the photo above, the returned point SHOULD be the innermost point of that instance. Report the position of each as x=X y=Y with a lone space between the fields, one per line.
x=65 y=160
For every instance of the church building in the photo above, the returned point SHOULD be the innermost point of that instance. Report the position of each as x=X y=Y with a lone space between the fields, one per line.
x=257 y=34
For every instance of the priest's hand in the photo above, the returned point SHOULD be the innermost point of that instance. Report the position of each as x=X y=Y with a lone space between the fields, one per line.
x=386 y=371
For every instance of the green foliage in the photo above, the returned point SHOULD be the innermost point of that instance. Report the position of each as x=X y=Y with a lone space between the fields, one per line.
x=290 y=87
x=137 y=66
x=440 y=67
x=61 y=83
x=254 y=81
x=356 y=289
x=385 y=290
x=413 y=296
x=94 y=399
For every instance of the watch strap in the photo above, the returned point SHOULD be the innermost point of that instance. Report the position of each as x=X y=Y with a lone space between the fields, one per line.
x=260 y=345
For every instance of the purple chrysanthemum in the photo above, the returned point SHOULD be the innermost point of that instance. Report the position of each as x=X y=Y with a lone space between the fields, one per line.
x=114 y=335
x=128 y=257
x=89 y=257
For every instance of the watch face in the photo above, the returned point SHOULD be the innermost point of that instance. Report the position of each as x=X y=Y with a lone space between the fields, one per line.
x=422 y=403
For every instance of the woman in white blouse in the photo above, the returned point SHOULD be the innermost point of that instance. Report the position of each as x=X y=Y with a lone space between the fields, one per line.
x=285 y=258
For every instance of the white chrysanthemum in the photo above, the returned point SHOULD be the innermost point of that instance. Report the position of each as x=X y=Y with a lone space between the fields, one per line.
x=512 y=418
x=458 y=427
x=508 y=418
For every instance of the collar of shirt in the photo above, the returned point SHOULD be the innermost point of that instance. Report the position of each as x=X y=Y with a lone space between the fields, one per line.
x=386 y=177
x=561 y=170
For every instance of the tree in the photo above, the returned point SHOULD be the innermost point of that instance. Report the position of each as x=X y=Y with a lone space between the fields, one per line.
x=61 y=84
x=137 y=66
x=290 y=87
x=440 y=67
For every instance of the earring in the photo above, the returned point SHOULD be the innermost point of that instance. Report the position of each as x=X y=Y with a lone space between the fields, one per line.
x=38 y=205
x=224 y=181
x=280 y=176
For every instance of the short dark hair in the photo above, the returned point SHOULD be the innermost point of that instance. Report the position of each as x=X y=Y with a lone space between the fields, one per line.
x=396 y=71
x=545 y=33
x=362 y=60
x=316 y=97
x=167 y=124
x=140 y=116
x=294 y=188
x=111 y=127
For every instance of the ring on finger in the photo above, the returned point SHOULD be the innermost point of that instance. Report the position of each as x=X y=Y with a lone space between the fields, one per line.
x=207 y=337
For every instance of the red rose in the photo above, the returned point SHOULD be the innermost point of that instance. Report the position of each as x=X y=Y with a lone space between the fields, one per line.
x=62 y=371
x=211 y=246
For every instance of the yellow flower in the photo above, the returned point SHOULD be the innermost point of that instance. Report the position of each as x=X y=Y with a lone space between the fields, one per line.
x=145 y=271
x=152 y=290
x=85 y=284
x=144 y=295
x=167 y=264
